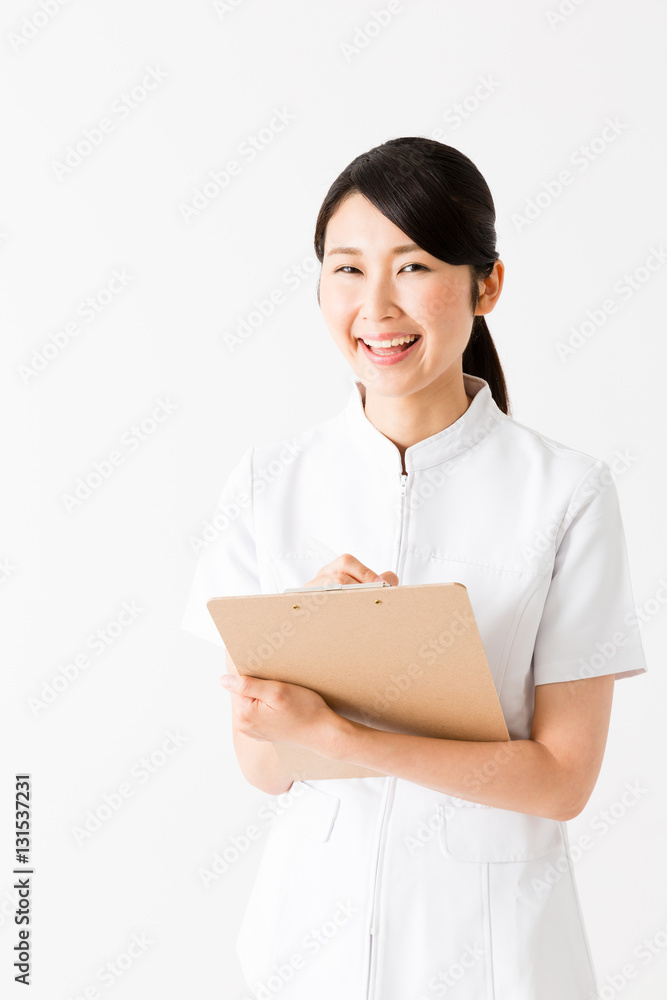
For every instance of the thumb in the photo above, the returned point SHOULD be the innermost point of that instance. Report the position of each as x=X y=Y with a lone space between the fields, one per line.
x=248 y=686
x=390 y=577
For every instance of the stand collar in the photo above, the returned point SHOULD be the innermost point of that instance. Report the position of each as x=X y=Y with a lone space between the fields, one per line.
x=482 y=415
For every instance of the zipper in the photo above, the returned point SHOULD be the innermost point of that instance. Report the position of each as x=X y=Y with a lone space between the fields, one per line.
x=404 y=490
x=389 y=787
x=388 y=798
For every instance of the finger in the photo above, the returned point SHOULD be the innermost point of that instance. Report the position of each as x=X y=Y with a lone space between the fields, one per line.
x=251 y=687
x=390 y=578
x=345 y=569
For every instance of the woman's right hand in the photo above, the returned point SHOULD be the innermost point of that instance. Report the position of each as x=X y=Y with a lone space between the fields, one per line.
x=347 y=569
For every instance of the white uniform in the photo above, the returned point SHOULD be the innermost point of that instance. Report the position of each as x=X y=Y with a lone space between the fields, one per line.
x=380 y=887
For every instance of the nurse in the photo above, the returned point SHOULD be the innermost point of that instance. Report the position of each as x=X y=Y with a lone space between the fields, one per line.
x=451 y=874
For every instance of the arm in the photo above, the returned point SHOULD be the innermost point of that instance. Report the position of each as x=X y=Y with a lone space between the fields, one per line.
x=257 y=759
x=551 y=774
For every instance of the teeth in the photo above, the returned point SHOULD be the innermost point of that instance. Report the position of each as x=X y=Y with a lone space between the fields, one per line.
x=391 y=343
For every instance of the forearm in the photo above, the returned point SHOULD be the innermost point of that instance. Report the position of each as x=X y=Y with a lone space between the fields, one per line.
x=261 y=765
x=258 y=760
x=521 y=775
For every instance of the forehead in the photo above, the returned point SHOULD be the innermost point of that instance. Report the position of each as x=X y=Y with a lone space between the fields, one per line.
x=357 y=222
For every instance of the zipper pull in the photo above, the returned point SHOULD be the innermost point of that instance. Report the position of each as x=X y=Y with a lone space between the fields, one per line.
x=404 y=483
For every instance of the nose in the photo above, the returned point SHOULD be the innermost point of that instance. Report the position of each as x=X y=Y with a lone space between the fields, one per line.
x=378 y=301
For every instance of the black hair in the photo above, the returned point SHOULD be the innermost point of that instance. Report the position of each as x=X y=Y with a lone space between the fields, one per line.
x=437 y=196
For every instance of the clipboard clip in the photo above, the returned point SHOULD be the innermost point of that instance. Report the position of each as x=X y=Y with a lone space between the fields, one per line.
x=336 y=586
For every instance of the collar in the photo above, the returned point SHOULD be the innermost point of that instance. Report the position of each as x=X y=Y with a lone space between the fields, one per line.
x=478 y=420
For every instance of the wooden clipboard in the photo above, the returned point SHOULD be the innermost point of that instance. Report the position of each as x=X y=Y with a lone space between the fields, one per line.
x=405 y=659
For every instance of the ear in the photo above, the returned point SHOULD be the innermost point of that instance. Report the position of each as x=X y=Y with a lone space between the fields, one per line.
x=490 y=289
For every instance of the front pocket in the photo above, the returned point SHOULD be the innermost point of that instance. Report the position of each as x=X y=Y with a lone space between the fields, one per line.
x=312 y=813
x=486 y=833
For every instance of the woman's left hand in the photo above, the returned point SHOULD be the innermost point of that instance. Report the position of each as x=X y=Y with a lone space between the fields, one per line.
x=281 y=712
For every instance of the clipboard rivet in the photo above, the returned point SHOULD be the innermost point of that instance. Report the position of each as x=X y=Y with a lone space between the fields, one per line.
x=295 y=607
x=378 y=602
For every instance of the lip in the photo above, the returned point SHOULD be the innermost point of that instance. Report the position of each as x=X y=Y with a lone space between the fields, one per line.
x=389 y=359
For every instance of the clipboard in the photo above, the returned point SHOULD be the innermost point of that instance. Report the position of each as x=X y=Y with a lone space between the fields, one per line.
x=405 y=659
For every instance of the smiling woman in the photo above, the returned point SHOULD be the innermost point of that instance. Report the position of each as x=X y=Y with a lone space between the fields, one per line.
x=447 y=272
x=433 y=872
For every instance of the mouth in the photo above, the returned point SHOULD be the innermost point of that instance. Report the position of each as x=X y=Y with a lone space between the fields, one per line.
x=390 y=350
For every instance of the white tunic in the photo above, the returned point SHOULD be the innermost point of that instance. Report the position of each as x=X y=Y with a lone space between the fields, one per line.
x=380 y=887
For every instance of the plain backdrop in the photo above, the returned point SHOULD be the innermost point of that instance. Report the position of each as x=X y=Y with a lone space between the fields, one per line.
x=114 y=115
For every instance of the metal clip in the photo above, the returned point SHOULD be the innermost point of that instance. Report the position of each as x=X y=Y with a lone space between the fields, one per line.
x=335 y=586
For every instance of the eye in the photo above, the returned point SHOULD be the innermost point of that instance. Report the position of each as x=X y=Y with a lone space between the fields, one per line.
x=347 y=268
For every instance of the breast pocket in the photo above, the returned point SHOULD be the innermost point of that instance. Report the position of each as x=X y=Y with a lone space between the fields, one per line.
x=482 y=833
x=295 y=838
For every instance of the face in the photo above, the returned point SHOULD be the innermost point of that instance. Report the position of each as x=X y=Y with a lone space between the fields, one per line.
x=376 y=293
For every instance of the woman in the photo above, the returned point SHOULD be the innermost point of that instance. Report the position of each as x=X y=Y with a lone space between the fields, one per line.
x=452 y=875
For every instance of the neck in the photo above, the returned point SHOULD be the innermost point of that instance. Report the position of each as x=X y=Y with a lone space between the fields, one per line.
x=405 y=420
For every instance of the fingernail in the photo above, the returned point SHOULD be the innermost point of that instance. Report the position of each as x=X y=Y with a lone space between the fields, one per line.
x=378 y=579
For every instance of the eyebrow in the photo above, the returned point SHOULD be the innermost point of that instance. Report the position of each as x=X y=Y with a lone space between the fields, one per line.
x=355 y=251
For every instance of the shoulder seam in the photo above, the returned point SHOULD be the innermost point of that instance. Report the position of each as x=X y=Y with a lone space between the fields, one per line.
x=600 y=463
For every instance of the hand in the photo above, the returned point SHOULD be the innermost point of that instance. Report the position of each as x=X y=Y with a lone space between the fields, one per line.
x=280 y=712
x=347 y=569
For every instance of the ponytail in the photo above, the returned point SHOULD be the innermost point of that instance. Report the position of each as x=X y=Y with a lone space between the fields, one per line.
x=480 y=358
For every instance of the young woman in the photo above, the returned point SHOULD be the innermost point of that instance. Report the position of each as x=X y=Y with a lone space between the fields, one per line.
x=452 y=875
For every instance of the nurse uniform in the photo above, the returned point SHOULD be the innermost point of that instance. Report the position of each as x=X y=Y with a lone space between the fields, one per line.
x=379 y=887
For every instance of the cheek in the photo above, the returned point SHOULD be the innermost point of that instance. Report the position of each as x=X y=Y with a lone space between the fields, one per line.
x=334 y=305
x=438 y=303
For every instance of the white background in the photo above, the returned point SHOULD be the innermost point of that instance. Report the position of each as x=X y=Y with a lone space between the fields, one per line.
x=163 y=337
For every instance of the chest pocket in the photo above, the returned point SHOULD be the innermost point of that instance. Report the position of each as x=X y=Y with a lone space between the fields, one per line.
x=483 y=833
x=312 y=813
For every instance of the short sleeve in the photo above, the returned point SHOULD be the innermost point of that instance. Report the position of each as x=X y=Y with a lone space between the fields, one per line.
x=227 y=565
x=589 y=625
